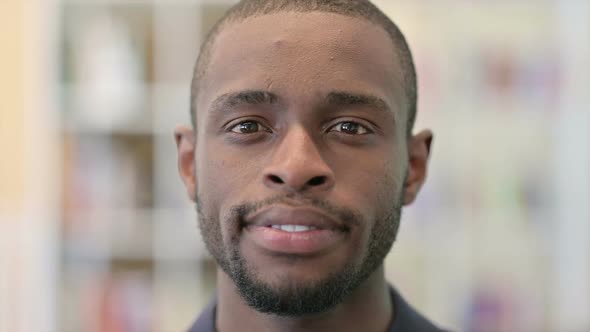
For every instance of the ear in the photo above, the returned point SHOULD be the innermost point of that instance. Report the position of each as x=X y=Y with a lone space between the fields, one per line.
x=419 y=147
x=185 y=145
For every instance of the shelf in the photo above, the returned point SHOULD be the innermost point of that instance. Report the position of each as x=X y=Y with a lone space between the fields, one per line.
x=165 y=235
x=178 y=237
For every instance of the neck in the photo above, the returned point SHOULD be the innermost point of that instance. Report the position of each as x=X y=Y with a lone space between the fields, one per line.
x=367 y=308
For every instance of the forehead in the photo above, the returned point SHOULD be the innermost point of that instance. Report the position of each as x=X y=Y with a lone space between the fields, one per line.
x=302 y=55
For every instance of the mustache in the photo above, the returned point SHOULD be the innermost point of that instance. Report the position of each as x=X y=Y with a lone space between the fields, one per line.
x=348 y=217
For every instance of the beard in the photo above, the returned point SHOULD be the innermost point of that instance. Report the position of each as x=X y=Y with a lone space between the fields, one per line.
x=294 y=298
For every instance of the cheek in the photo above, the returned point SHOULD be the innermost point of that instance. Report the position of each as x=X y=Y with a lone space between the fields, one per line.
x=224 y=177
x=370 y=183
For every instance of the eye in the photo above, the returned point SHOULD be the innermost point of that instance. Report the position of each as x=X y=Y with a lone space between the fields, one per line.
x=350 y=128
x=247 y=127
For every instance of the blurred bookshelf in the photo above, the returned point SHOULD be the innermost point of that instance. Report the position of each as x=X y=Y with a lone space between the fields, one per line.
x=131 y=255
x=480 y=233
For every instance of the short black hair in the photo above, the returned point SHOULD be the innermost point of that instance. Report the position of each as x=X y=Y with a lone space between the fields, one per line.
x=353 y=8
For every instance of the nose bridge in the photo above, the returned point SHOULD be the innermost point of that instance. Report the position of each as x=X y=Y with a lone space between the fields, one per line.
x=297 y=163
x=297 y=147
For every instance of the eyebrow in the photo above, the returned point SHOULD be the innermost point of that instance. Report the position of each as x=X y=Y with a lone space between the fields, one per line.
x=344 y=98
x=248 y=97
x=332 y=99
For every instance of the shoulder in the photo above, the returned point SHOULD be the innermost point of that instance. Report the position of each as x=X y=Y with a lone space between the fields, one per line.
x=206 y=320
x=407 y=319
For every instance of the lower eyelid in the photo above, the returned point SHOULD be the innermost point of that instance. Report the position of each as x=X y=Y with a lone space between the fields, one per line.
x=243 y=139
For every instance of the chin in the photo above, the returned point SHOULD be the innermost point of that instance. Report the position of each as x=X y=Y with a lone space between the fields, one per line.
x=292 y=292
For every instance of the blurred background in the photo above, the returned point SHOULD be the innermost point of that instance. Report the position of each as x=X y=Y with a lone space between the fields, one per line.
x=97 y=234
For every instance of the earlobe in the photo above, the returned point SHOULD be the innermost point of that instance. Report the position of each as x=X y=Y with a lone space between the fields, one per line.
x=185 y=145
x=419 y=147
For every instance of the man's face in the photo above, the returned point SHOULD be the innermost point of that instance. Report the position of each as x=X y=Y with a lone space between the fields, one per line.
x=300 y=157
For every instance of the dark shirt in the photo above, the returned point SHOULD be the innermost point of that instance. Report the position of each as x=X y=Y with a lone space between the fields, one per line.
x=406 y=318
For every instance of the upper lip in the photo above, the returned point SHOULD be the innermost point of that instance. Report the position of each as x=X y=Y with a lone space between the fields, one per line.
x=289 y=215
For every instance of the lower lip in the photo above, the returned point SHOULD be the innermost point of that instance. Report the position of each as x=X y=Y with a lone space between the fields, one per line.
x=302 y=243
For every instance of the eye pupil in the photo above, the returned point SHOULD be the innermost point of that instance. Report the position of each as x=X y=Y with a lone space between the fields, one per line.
x=349 y=127
x=248 y=127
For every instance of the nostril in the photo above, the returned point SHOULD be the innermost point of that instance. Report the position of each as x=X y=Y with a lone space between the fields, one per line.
x=275 y=179
x=316 y=181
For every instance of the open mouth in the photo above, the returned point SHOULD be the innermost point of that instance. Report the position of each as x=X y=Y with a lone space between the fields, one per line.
x=294 y=239
x=288 y=230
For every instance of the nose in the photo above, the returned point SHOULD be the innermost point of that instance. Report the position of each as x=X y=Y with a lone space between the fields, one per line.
x=297 y=165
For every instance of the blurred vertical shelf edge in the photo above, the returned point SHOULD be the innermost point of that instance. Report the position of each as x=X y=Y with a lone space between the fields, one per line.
x=29 y=167
x=571 y=179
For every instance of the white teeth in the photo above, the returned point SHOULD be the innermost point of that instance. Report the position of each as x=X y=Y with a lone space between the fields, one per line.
x=293 y=228
x=301 y=228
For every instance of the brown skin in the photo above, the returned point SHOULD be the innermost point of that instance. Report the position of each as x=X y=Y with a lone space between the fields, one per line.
x=301 y=58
